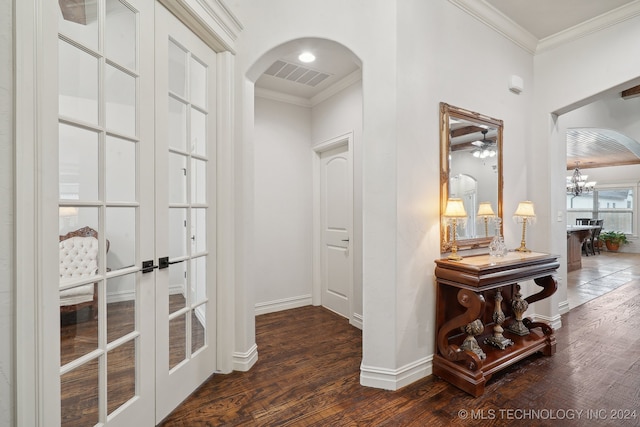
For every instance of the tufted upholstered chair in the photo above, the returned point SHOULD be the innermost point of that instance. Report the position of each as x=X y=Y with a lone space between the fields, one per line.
x=79 y=260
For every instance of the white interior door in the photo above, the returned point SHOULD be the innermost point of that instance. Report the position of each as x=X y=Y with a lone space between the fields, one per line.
x=185 y=213
x=106 y=212
x=336 y=217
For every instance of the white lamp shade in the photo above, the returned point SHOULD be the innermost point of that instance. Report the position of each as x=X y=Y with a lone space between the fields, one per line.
x=455 y=209
x=485 y=209
x=525 y=210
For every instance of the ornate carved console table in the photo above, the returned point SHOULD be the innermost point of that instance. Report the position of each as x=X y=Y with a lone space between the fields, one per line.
x=479 y=316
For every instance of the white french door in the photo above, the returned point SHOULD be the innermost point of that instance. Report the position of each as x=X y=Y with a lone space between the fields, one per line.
x=137 y=212
x=185 y=213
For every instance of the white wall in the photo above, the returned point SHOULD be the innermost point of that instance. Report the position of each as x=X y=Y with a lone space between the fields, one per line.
x=7 y=222
x=568 y=77
x=283 y=205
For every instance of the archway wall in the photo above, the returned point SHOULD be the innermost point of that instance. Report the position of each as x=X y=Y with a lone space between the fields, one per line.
x=414 y=54
x=569 y=76
x=268 y=27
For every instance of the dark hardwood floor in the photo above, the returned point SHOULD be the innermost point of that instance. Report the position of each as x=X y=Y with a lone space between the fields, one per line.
x=309 y=366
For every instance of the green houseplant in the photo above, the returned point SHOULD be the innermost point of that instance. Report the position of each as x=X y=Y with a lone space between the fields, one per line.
x=613 y=239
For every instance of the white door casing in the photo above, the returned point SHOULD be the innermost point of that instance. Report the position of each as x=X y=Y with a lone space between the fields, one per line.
x=334 y=186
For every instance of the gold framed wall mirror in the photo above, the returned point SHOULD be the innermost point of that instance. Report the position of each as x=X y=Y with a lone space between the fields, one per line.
x=470 y=170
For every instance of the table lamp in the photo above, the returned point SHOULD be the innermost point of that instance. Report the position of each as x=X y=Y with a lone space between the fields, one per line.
x=524 y=214
x=485 y=212
x=453 y=213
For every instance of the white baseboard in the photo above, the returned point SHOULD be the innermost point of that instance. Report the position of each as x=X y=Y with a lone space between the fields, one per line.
x=283 y=304
x=555 y=322
x=120 y=296
x=244 y=361
x=389 y=379
x=356 y=320
x=563 y=307
x=128 y=295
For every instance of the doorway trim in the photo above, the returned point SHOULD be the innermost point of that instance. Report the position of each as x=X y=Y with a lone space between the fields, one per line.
x=36 y=111
x=318 y=149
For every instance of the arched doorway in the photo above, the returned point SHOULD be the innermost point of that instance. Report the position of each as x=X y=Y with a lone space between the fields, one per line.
x=300 y=111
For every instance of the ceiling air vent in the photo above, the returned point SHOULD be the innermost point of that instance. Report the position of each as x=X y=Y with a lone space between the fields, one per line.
x=296 y=73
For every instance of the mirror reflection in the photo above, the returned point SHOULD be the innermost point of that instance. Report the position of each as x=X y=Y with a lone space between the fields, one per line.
x=471 y=170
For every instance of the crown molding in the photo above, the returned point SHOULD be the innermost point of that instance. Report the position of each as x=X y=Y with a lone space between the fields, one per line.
x=335 y=88
x=338 y=86
x=498 y=21
x=211 y=20
x=606 y=20
x=282 y=97
x=223 y=16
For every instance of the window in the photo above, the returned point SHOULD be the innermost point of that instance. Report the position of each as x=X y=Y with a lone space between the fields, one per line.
x=614 y=205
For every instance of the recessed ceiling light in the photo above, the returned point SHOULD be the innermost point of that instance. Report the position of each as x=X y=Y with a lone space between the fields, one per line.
x=307 y=57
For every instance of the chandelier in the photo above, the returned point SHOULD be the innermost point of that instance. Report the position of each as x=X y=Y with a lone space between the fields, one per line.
x=577 y=183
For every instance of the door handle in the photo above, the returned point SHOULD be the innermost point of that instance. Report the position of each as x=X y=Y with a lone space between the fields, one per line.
x=345 y=240
x=164 y=262
x=148 y=267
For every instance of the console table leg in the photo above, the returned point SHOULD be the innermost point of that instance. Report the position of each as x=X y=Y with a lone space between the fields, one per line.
x=498 y=340
x=519 y=306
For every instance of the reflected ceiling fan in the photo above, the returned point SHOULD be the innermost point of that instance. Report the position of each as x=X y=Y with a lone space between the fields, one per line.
x=485 y=148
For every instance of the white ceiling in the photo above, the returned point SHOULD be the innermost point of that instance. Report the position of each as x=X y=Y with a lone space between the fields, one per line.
x=544 y=18
x=527 y=22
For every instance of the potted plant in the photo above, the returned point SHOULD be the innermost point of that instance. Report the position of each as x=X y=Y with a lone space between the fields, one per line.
x=613 y=239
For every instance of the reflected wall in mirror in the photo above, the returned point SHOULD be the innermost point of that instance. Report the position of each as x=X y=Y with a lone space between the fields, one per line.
x=470 y=169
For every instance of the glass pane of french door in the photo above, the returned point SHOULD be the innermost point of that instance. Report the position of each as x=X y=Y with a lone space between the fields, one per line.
x=188 y=205
x=185 y=157
x=105 y=220
x=187 y=195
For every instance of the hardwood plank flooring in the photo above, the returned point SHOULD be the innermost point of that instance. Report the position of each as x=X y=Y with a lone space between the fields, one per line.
x=600 y=274
x=309 y=366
